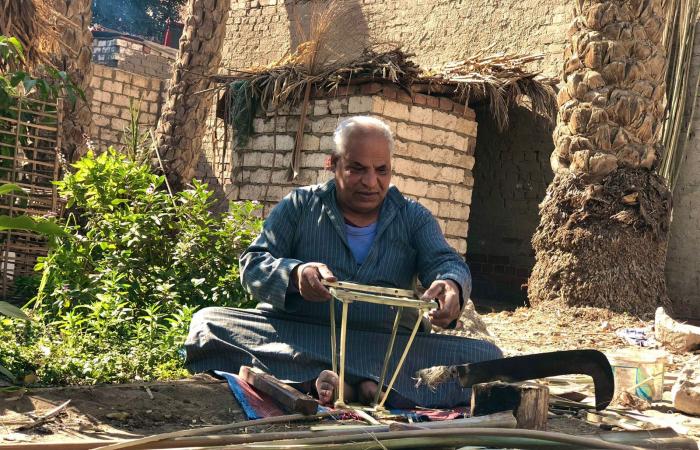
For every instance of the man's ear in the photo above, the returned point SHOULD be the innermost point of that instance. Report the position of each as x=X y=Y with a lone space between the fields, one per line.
x=330 y=163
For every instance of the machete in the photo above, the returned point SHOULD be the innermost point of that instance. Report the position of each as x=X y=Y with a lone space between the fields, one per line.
x=530 y=367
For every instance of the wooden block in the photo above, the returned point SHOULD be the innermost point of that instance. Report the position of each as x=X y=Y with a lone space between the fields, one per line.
x=291 y=400
x=528 y=401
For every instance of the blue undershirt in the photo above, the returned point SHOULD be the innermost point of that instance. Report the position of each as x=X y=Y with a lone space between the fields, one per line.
x=360 y=240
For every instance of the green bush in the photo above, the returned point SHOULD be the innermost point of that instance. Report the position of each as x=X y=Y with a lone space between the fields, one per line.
x=116 y=295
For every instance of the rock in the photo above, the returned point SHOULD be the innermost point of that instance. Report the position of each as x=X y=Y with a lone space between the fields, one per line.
x=675 y=336
x=120 y=416
x=686 y=391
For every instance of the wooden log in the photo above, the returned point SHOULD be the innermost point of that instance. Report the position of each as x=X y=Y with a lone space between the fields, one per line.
x=497 y=420
x=289 y=398
x=528 y=401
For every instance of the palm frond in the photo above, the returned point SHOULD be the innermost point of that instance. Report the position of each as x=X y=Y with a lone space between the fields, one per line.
x=500 y=80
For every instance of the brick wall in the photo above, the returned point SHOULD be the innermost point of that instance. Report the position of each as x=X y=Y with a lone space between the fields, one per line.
x=113 y=90
x=262 y=31
x=135 y=56
x=683 y=260
x=433 y=156
x=511 y=174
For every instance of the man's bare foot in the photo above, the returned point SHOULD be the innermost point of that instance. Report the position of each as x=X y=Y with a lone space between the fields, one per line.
x=366 y=391
x=326 y=384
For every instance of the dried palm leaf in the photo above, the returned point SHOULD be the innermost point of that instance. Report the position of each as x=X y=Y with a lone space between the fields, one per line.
x=679 y=38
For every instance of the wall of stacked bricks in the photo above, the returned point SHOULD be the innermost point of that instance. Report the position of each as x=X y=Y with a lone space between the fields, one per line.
x=433 y=155
x=436 y=31
x=683 y=259
x=262 y=32
x=142 y=58
x=114 y=90
x=512 y=173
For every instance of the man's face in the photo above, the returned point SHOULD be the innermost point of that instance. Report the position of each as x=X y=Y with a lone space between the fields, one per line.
x=363 y=173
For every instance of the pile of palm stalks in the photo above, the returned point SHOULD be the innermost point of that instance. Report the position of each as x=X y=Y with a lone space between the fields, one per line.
x=679 y=39
x=494 y=431
x=501 y=80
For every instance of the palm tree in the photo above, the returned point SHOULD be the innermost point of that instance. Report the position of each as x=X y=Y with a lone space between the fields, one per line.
x=604 y=223
x=75 y=58
x=184 y=118
x=56 y=32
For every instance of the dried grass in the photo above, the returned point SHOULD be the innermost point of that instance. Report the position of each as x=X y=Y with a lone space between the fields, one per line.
x=501 y=79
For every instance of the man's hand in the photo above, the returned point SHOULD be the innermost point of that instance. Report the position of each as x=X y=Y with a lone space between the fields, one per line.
x=447 y=294
x=308 y=280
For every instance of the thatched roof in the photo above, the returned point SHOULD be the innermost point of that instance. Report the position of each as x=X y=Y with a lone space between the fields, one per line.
x=499 y=80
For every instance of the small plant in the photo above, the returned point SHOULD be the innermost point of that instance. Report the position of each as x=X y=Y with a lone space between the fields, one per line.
x=132 y=266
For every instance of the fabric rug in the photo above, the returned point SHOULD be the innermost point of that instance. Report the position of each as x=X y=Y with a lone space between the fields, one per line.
x=258 y=405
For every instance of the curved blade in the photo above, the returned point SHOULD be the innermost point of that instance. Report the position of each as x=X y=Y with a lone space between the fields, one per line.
x=542 y=365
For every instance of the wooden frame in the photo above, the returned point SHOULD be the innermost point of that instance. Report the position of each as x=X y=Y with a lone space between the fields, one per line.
x=347 y=293
x=30 y=149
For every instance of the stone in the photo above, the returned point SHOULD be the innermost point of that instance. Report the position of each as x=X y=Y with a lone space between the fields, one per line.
x=435 y=136
x=396 y=110
x=325 y=125
x=414 y=187
x=466 y=126
x=338 y=106
x=451 y=175
x=359 y=104
x=378 y=105
x=675 y=336
x=432 y=205
x=444 y=120
x=414 y=169
x=461 y=194
x=327 y=144
x=311 y=143
x=451 y=210
x=410 y=132
x=456 y=228
x=423 y=116
x=438 y=191
x=686 y=391
x=284 y=142
x=320 y=108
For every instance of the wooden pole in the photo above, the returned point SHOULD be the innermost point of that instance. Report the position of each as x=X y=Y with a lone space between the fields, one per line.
x=340 y=402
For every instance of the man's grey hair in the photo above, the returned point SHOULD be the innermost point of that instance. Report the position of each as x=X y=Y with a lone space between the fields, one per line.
x=359 y=125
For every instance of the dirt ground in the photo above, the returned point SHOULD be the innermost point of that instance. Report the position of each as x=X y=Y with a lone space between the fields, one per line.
x=110 y=412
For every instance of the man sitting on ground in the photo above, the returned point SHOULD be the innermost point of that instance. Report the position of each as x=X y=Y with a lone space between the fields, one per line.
x=357 y=228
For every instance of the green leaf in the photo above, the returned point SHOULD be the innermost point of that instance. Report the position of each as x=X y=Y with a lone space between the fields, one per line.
x=29 y=84
x=17 y=77
x=7 y=374
x=12 y=311
x=18 y=47
x=27 y=223
x=9 y=188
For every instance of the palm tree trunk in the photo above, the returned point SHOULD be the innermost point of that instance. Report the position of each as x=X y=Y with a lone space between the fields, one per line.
x=75 y=58
x=184 y=118
x=604 y=223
